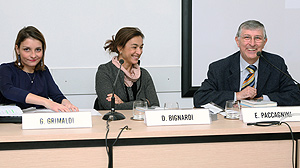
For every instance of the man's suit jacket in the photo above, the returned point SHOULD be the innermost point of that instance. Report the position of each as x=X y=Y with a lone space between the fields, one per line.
x=223 y=79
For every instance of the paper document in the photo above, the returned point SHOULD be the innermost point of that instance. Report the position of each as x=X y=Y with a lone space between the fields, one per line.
x=34 y=110
x=213 y=107
x=10 y=111
x=258 y=103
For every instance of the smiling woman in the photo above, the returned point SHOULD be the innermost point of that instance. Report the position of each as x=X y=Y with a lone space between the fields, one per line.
x=134 y=82
x=30 y=40
x=30 y=54
x=27 y=82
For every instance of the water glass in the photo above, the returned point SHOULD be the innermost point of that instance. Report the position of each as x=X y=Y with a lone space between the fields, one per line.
x=232 y=109
x=139 y=108
x=171 y=106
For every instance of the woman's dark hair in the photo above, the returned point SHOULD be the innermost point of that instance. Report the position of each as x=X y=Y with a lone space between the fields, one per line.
x=30 y=32
x=121 y=38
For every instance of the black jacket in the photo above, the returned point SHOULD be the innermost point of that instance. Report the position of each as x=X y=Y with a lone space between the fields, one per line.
x=224 y=79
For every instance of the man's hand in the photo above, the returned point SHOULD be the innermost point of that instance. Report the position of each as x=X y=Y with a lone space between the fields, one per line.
x=247 y=93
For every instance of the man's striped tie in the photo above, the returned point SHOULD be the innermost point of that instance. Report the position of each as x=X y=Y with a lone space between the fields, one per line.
x=249 y=81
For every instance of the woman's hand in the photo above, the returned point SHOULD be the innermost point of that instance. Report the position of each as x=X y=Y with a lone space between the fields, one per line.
x=66 y=105
x=117 y=98
x=56 y=106
x=69 y=105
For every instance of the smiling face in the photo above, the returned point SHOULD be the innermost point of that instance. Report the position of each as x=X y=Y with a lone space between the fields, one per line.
x=132 y=51
x=250 y=42
x=31 y=53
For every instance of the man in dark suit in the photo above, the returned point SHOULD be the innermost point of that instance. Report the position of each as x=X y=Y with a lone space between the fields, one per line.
x=231 y=78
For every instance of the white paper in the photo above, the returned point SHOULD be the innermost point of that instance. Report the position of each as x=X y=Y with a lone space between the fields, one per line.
x=214 y=109
x=10 y=111
x=34 y=110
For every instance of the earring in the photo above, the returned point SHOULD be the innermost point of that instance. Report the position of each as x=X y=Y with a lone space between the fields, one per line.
x=42 y=63
x=19 y=60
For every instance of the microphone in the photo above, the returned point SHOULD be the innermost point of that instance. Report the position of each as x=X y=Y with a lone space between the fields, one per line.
x=259 y=54
x=113 y=115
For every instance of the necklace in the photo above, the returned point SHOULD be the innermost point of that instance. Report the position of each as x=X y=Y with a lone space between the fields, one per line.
x=30 y=77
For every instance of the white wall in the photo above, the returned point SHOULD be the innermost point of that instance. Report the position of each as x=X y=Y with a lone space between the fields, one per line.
x=76 y=30
x=215 y=23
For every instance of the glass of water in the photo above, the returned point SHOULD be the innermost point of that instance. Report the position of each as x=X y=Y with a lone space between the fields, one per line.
x=139 y=108
x=232 y=109
x=171 y=106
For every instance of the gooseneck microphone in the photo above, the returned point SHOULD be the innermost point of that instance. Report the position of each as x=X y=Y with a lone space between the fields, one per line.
x=259 y=54
x=113 y=115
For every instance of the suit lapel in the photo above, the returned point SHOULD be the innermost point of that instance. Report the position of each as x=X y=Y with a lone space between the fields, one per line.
x=234 y=78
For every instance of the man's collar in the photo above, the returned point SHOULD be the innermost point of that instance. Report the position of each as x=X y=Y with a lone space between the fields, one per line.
x=244 y=64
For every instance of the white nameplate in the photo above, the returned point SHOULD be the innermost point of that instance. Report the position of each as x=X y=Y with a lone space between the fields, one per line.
x=288 y=113
x=177 y=117
x=56 y=120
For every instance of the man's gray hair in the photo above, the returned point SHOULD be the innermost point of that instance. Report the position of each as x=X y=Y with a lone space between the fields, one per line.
x=251 y=25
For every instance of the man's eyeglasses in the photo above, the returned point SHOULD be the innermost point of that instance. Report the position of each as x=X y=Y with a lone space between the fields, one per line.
x=257 y=39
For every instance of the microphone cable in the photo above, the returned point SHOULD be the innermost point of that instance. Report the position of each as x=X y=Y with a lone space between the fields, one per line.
x=271 y=123
x=259 y=54
x=106 y=143
x=107 y=128
x=293 y=140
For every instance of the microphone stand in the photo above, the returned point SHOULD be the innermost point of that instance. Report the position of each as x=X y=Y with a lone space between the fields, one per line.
x=259 y=54
x=113 y=115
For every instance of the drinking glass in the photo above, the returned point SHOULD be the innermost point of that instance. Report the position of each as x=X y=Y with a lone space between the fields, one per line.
x=232 y=109
x=139 y=108
x=171 y=106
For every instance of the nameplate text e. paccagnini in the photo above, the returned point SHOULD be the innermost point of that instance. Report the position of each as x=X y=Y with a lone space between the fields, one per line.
x=286 y=113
